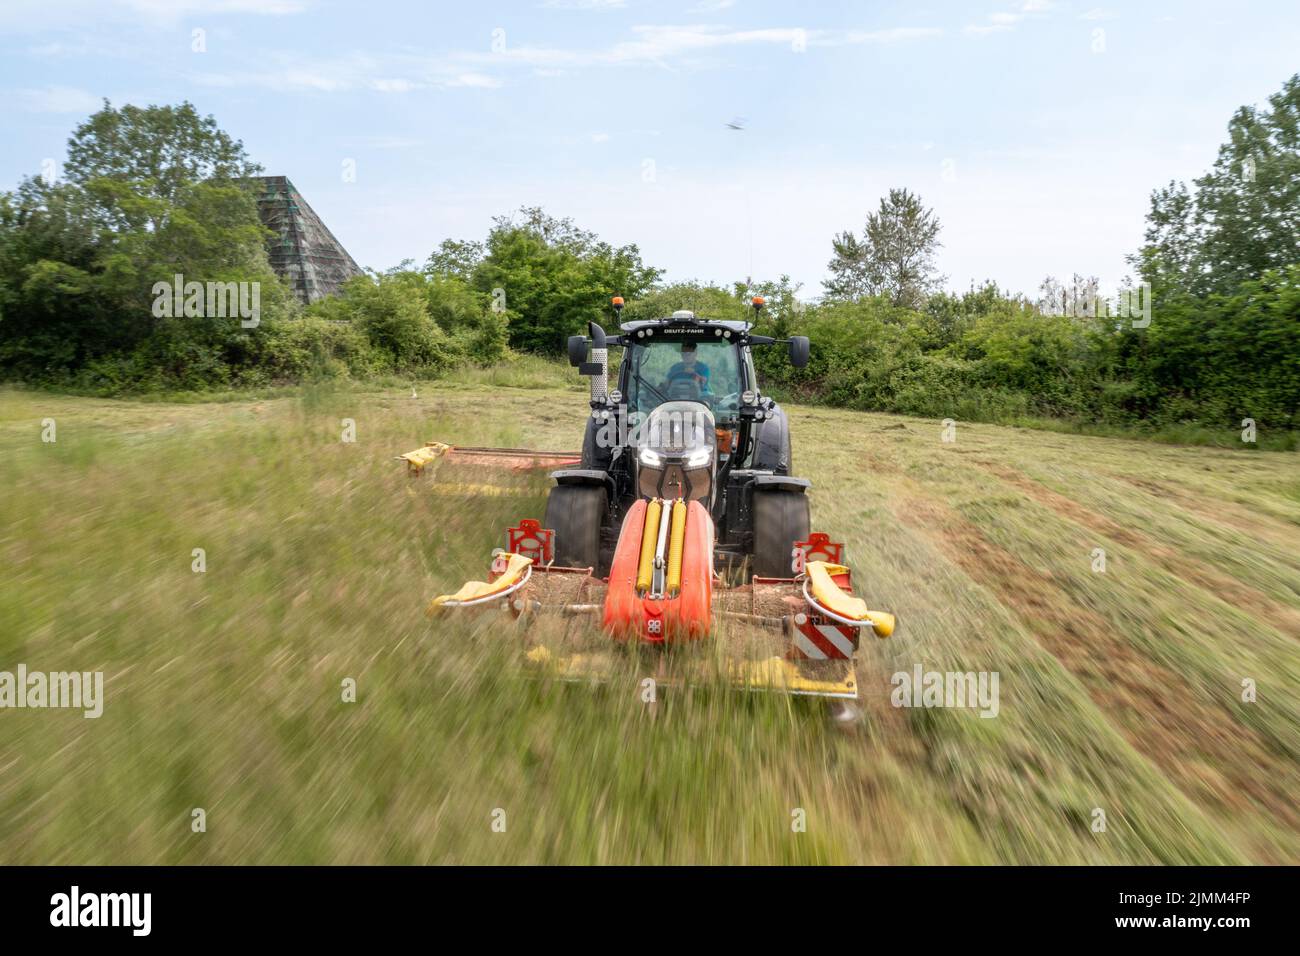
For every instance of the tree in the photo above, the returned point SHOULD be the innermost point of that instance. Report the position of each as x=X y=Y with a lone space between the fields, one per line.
x=552 y=277
x=850 y=264
x=1172 y=254
x=894 y=257
x=1249 y=203
x=148 y=192
x=701 y=298
x=48 y=303
x=138 y=162
x=1242 y=218
x=455 y=258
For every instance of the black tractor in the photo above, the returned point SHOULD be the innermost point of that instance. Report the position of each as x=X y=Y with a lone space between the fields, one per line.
x=686 y=419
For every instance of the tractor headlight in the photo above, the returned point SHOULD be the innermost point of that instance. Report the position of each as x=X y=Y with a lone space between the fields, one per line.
x=748 y=398
x=651 y=457
x=698 y=458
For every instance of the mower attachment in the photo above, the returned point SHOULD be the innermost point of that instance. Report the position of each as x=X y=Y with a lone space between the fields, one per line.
x=827 y=628
x=508 y=576
x=796 y=635
x=512 y=459
x=469 y=471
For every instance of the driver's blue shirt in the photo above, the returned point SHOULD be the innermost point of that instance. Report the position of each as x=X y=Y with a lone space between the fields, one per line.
x=699 y=374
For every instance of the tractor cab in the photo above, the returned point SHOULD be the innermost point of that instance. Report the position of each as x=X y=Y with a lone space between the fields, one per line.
x=671 y=363
x=681 y=394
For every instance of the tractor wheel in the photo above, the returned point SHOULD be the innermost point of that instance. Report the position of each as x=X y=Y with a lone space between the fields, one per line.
x=576 y=512
x=780 y=519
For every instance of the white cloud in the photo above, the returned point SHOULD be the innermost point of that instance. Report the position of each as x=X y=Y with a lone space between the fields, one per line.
x=600 y=137
x=584 y=4
x=357 y=71
x=893 y=35
x=58 y=99
x=649 y=46
x=85 y=45
x=35 y=16
x=391 y=85
x=383 y=142
x=658 y=45
x=479 y=80
x=172 y=9
x=1003 y=20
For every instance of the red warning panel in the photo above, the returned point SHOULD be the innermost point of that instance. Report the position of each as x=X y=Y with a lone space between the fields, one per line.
x=818 y=547
x=532 y=541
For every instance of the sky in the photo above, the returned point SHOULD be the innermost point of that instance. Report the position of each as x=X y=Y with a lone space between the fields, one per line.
x=1035 y=129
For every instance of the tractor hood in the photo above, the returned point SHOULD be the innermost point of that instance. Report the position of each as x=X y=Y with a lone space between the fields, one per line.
x=677 y=456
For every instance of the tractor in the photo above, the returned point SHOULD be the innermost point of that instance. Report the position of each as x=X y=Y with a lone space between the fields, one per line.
x=686 y=420
x=679 y=521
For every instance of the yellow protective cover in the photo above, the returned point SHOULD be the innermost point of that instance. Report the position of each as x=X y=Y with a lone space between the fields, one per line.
x=676 y=546
x=472 y=590
x=416 y=460
x=829 y=595
x=649 y=541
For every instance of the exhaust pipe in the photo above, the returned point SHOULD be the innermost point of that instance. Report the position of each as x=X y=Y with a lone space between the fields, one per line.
x=599 y=366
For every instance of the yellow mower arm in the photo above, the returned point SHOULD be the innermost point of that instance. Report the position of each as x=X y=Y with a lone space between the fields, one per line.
x=829 y=595
x=472 y=592
x=416 y=460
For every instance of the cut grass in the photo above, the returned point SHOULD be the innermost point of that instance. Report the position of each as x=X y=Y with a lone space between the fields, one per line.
x=1120 y=690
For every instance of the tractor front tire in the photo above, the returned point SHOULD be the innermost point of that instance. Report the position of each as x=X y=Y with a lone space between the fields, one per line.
x=780 y=519
x=575 y=513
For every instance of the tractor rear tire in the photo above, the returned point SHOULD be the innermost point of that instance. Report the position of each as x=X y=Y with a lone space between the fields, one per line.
x=780 y=519
x=575 y=513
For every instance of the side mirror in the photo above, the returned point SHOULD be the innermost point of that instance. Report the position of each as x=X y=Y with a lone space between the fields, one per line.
x=798 y=350
x=577 y=350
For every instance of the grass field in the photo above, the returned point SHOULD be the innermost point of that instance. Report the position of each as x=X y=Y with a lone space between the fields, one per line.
x=1120 y=690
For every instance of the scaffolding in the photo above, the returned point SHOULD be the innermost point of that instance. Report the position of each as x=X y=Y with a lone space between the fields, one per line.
x=303 y=251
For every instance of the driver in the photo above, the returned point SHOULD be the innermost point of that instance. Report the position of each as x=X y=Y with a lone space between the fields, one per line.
x=689 y=370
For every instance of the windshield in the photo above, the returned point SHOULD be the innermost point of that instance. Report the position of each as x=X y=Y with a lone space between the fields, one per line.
x=668 y=371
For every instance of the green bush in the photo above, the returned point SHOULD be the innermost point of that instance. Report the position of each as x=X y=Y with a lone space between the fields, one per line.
x=478 y=328
x=314 y=348
x=392 y=312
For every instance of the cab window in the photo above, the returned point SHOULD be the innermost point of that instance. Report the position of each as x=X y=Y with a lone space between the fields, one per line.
x=669 y=370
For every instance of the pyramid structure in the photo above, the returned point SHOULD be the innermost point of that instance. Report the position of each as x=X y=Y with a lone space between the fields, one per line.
x=303 y=251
